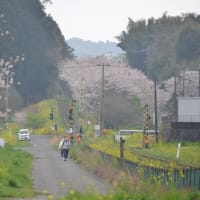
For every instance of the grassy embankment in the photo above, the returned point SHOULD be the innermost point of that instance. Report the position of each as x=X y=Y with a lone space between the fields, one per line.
x=15 y=172
x=15 y=164
x=126 y=186
x=189 y=152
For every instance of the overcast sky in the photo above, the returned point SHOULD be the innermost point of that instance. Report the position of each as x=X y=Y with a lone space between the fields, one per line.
x=102 y=20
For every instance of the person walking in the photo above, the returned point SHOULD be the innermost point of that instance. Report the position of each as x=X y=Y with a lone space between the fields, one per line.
x=60 y=148
x=78 y=137
x=65 y=147
x=146 y=140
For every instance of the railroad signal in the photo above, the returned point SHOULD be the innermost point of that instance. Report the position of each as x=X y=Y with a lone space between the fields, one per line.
x=71 y=124
x=146 y=117
x=51 y=116
x=70 y=114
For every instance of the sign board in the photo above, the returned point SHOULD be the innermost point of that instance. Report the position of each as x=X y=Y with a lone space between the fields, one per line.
x=2 y=143
x=68 y=131
x=97 y=127
x=188 y=109
x=97 y=130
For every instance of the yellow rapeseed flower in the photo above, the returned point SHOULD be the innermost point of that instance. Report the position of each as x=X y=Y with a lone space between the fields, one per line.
x=63 y=198
x=62 y=184
x=50 y=197
x=84 y=177
x=110 y=197
x=100 y=197
x=45 y=191
x=114 y=184
x=72 y=192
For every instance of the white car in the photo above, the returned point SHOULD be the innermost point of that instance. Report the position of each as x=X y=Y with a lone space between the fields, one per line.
x=24 y=134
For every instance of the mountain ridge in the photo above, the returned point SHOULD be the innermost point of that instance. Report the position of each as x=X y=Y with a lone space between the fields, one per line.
x=88 y=48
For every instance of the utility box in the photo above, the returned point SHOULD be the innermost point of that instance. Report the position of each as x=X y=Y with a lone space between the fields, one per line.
x=97 y=130
x=188 y=109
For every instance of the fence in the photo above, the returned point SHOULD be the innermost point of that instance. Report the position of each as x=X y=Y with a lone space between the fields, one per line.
x=183 y=177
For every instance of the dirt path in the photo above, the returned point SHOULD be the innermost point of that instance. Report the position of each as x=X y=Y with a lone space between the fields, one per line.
x=54 y=176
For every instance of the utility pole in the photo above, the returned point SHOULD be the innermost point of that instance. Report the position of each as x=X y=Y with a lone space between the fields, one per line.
x=81 y=103
x=6 y=101
x=51 y=117
x=156 y=114
x=102 y=102
x=97 y=112
x=183 y=83
x=175 y=99
x=102 y=99
x=199 y=82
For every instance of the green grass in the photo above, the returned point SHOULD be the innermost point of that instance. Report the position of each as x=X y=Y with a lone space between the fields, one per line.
x=122 y=195
x=125 y=185
x=38 y=120
x=189 y=153
x=15 y=173
x=21 y=144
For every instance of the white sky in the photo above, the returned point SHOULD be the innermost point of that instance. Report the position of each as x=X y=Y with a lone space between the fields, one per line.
x=102 y=20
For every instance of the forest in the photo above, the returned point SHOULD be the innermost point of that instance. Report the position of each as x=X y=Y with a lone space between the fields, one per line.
x=33 y=45
x=162 y=47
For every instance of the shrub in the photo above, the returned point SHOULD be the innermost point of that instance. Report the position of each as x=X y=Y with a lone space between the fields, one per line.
x=35 y=121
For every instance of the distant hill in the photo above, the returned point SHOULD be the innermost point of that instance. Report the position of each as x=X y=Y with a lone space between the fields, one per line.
x=89 y=48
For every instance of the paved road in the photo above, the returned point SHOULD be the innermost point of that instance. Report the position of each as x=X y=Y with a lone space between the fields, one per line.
x=55 y=176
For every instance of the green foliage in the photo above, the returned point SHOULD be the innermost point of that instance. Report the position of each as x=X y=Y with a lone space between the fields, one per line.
x=189 y=155
x=159 y=47
x=171 y=195
x=10 y=134
x=35 y=121
x=188 y=45
x=108 y=132
x=38 y=117
x=15 y=173
x=122 y=110
x=125 y=185
x=35 y=35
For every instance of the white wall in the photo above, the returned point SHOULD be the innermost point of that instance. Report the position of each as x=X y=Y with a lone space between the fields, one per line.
x=188 y=109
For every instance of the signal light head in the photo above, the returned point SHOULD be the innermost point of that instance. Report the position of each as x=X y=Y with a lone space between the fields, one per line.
x=51 y=116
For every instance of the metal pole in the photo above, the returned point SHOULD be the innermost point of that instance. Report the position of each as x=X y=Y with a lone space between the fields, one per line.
x=102 y=102
x=97 y=112
x=122 y=141
x=6 y=101
x=199 y=83
x=183 y=83
x=52 y=121
x=81 y=103
x=156 y=114
x=175 y=99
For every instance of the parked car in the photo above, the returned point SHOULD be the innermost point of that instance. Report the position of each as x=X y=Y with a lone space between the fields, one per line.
x=24 y=134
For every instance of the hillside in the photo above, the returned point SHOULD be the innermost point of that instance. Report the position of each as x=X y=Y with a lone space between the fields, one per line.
x=85 y=78
x=84 y=48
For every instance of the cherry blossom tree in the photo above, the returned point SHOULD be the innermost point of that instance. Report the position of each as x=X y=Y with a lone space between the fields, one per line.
x=6 y=68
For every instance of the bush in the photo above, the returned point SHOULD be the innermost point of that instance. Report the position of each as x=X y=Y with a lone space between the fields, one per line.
x=108 y=132
x=35 y=121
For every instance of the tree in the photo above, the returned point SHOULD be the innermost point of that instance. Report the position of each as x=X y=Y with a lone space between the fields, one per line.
x=188 y=45
x=159 y=47
x=122 y=111
x=135 y=43
x=39 y=38
x=7 y=62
